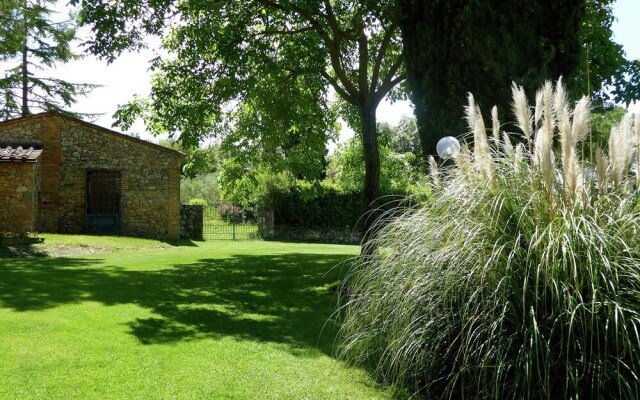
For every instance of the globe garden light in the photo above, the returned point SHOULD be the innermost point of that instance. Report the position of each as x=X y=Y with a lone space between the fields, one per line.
x=448 y=147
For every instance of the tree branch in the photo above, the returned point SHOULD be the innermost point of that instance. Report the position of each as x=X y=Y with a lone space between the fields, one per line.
x=338 y=32
x=271 y=32
x=363 y=64
x=331 y=17
x=382 y=51
x=386 y=87
x=304 y=13
x=334 y=55
x=333 y=45
x=393 y=71
x=339 y=89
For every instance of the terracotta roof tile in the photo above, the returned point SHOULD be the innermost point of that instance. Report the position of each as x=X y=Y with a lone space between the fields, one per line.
x=19 y=154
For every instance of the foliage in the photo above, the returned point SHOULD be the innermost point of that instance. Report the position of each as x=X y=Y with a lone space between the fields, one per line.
x=331 y=202
x=260 y=71
x=403 y=137
x=346 y=168
x=200 y=173
x=198 y=202
x=324 y=208
x=204 y=187
x=156 y=320
x=34 y=42
x=602 y=121
x=251 y=186
x=199 y=160
x=520 y=279
x=604 y=70
x=460 y=46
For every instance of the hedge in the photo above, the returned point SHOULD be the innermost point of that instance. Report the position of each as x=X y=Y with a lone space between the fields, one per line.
x=328 y=209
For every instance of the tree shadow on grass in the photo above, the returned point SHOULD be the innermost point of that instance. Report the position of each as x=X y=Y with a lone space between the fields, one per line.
x=21 y=251
x=284 y=299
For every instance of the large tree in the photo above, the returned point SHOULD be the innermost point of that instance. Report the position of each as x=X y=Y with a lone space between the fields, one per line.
x=453 y=47
x=605 y=72
x=266 y=64
x=32 y=42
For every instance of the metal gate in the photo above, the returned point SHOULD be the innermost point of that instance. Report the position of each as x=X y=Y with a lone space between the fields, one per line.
x=227 y=221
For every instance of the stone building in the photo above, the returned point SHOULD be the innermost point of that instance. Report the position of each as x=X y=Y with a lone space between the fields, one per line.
x=61 y=174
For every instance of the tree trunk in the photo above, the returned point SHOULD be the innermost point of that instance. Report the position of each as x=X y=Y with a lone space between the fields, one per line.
x=25 y=70
x=372 y=172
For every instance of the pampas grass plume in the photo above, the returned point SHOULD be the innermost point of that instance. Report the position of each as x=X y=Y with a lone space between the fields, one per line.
x=561 y=108
x=538 y=110
x=620 y=150
x=434 y=171
x=581 y=119
x=481 y=150
x=522 y=112
x=507 y=146
x=495 y=127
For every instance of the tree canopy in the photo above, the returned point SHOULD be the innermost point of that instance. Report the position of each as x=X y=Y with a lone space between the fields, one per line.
x=398 y=173
x=605 y=72
x=260 y=72
x=30 y=42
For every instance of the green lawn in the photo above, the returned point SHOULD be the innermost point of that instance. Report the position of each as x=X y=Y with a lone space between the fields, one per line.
x=119 y=318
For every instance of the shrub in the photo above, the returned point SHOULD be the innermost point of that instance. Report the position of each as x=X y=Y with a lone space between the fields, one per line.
x=324 y=206
x=399 y=172
x=328 y=208
x=520 y=279
x=198 y=202
x=201 y=187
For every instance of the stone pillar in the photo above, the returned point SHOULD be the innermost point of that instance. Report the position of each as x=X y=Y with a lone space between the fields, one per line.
x=191 y=222
x=266 y=223
x=50 y=175
x=173 y=205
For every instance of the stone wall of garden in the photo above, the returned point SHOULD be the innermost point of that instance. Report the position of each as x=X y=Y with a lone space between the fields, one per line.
x=318 y=235
x=150 y=174
x=191 y=222
x=270 y=231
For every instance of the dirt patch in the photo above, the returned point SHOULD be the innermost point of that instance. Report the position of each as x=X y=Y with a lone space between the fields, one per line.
x=62 y=250
x=71 y=250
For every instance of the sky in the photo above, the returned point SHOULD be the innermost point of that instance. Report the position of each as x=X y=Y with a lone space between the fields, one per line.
x=129 y=74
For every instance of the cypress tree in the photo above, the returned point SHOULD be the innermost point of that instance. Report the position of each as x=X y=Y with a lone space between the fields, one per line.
x=453 y=47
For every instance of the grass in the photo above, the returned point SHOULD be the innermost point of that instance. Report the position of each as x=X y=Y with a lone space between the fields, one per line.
x=143 y=319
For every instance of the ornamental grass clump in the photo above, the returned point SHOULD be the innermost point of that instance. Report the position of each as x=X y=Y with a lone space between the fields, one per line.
x=520 y=278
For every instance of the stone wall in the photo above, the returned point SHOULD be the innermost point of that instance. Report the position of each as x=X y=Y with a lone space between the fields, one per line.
x=150 y=175
x=16 y=131
x=17 y=196
x=319 y=235
x=191 y=222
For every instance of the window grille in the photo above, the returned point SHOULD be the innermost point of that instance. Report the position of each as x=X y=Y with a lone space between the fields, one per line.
x=103 y=192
